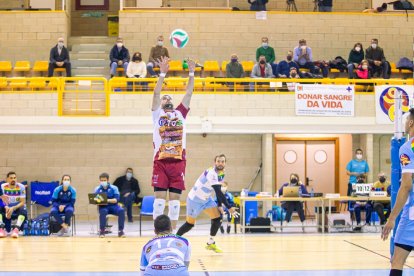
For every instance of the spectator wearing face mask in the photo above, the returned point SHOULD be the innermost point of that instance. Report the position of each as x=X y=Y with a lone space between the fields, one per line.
x=262 y=69
x=234 y=69
x=293 y=74
x=59 y=58
x=136 y=69
x=119 y=57
x=362 y=205
x=291 y=206
x=356 y=56
x=156 y=53
x=112 y=208
x=268 y=52
x=362 y=71
x=376 y=58
x=302 y=55
x=284 y=67
x=355 y=168
x=128 y=187
x=63 y=203
x=382 y=185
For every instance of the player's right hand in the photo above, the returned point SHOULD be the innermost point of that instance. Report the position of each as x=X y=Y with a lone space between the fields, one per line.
x=387 y=229
x=164 y=64
x=233 y=212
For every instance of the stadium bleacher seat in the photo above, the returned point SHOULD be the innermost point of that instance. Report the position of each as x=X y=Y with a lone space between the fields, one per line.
x=211 y=66
x=3 y=82
x=5 y=67
x=175 y=66
x=223 y=67
x=16 y=83
x=395 y=70
x=247 y=65
x=41 y=66
x=22 y=66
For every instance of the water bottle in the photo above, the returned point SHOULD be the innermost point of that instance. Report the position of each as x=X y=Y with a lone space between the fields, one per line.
x=243 y=193
x=45 y=228
x=37 y=228
x=270 y=215
x=26 y=228
x=312 y=193
x=277 y=194
x=31 y=228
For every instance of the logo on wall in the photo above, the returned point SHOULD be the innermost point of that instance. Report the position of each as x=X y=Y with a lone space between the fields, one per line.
x=387 y=101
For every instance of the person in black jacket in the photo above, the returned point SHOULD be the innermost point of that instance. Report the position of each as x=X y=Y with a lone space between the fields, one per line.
x=59 y=58
x=325 y=5
x=119 y=56
x=376 y=58
x=258 y=5
x=129 y=189
x=356 y=56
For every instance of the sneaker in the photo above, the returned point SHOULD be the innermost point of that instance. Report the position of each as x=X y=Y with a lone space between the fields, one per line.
x=3 y=233
x=214 y=247
x=102 y=234
x=67 y=232
x=358 y=227
x=121 y=234
x=222 y=229
x=15 y=233
x=130 y=221
x=228 y=229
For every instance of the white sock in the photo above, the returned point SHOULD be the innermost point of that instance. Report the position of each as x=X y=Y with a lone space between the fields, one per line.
x=210 y=241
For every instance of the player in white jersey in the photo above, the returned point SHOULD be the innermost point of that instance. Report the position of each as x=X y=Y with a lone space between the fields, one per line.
x=169 y=140
x=404 y=237
x=200 y=199
x=166 y=254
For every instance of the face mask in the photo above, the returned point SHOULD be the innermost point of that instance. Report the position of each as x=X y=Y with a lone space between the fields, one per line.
x=382 y=179
x=61 y=44
x=104 y=184
x=294 y=181
x=129 y=175
x=357 y=49
x=289 y=58
x=360 y=181
x=365 y=67
x=359 y=156
x=139 y=59
x=262 y=62
x=66 y=183
x=265 y=44
x=119 y=44
x=234 y=60
x=160 y=43
x=293 y=75
x=303 y=47
x=223 y=190
x=374 y=46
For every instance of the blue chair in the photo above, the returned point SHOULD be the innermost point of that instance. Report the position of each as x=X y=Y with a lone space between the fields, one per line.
x=147 y=209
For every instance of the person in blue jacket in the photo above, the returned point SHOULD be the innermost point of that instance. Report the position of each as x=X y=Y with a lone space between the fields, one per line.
x=63 y=203
x=112 y=208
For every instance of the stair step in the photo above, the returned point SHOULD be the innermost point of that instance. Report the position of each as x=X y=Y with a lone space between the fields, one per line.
x=90 y=63
x=91 y=47
x=91 y=39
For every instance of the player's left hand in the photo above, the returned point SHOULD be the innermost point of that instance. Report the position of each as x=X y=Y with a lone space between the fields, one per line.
x=191 y=65
x=9 y=212
x=387 y=229
x=233 y=212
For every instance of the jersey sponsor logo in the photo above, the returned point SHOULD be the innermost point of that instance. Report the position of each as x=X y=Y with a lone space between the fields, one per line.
x=404 y=160
x=148 y=249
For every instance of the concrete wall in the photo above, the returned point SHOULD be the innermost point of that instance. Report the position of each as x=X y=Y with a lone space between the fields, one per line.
x=30 y=35
x=84 y=157
x=216 y=35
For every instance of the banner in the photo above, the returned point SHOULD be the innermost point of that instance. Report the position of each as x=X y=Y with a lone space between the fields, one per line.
x=324 y=100
x=41 y=192
x=384 y=101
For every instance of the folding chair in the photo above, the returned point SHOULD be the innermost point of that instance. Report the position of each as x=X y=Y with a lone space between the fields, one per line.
x=147 y=209
x=72 y=224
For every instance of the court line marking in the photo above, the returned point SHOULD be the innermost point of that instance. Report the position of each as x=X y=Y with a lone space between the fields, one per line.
x=376 y=253
x=203 y=267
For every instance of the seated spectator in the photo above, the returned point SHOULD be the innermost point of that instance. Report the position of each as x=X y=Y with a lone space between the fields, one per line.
x=262 y=69
x=112 y=208
x=284 y=67
x=293 y=74
x=375 y=56
x=223 y=209
x=136 y=69
x=360 y=206
x=128 y=186
x=59 y=58
x=166 y=254
x=257 y=5
x=268 y=52
x=63 y=204
x=15 y=206
x=234 y=69
x=382 y=8
x=156 y=53
x=356 y=55
x=119 y=57
x=302 y=55
x=362 y=72
x=325 y=5
x=291 y=206
x=379 y=206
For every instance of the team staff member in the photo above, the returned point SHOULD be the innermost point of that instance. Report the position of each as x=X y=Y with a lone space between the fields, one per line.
x=169 y=140
x=355 y=168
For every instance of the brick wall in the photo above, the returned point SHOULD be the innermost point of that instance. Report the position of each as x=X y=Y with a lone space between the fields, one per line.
x=216 y=35
x=30 y=35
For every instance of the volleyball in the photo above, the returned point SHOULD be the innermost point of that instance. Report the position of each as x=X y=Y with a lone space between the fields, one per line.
x=179 y=38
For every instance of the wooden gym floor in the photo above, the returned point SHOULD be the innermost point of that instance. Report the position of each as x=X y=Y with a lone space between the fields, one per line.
x=250 y=254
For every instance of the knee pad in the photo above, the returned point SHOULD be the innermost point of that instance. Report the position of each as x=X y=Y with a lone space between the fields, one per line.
x=216 y=221
x=185 y=228
x=174 y=209
x=159 y=206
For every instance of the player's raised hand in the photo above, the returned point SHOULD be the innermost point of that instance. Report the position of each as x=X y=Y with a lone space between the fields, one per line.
x=233 y=212
x=164 y=65
x=387 y=229
x=191 y=65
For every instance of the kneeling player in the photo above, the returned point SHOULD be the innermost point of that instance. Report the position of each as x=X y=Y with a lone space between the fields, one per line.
x=200 y=199
x=166 y=254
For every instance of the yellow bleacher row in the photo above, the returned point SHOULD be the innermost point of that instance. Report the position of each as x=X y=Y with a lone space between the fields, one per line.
x=29 y=84
x=24 y=66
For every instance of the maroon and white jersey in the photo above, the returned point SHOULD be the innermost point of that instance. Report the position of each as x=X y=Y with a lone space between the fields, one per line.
x=169 y=137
